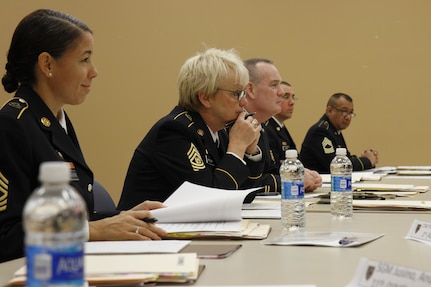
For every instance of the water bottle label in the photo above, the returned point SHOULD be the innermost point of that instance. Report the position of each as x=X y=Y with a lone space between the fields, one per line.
x=341 y=183
x=292 y=190
x=55 y=266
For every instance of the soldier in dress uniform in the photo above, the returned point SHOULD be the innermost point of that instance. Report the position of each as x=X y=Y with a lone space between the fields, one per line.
x=192 y=142
x=280 y=139
x=324 y=137
x=264 y=95
x=49 y=64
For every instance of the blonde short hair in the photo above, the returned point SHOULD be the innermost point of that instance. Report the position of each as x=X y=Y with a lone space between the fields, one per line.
x=204 y=73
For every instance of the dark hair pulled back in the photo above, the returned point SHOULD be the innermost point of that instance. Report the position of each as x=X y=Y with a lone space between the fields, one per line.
x=41 y=31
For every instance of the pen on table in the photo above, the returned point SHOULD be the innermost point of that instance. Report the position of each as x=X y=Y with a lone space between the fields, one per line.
x=149 y=220
x=272 y=193
x=229 y=124
x=345 y=241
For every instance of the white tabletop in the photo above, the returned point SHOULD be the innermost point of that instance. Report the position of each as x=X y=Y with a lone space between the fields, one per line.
x=258 y=264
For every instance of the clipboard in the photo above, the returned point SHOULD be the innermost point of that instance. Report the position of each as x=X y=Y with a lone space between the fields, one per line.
x=218 y=251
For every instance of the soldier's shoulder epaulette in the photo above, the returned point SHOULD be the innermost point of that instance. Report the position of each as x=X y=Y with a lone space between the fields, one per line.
x=16 y=106
x=323 y=124
x=184 y=118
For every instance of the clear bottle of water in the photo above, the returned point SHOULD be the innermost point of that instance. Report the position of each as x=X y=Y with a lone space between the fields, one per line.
x=341 y=185
x=55 y=224
x=292 y=192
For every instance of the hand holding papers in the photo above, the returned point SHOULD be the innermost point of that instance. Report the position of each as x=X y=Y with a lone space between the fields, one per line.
x=199 y=211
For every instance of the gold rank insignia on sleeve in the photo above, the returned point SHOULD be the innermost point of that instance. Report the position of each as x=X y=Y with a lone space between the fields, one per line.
x=4 y=186
x=195 y=158
x=327 y=146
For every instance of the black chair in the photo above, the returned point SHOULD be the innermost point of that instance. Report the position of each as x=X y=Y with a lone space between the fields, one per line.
x=102 y=200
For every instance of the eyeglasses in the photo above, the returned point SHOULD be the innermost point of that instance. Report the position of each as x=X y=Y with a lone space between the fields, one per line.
x=289 y=97
x=344 y=113
x=239 y=94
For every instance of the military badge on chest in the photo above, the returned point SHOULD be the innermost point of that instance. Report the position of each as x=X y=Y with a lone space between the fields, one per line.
x=73 y=173
x=284 y=146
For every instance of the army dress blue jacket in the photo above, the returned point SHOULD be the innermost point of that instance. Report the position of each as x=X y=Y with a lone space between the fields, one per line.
x=280 y=140
x=319 y=145
x=29 y=135
x=178 y=148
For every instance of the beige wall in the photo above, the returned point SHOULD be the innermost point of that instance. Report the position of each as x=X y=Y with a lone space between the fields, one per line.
x=378 y=51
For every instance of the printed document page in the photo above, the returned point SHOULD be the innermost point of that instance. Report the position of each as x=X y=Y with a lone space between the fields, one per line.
x=196 y=203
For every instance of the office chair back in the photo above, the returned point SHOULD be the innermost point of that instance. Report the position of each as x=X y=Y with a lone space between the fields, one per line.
x=102 y=200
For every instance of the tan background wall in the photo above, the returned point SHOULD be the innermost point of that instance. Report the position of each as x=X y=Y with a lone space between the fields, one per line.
x=378 y=51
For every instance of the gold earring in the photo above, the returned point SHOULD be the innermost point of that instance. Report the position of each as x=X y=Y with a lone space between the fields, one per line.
x=49 y=75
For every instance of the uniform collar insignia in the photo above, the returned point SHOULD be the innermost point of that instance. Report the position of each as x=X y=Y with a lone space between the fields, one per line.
x=45 y=122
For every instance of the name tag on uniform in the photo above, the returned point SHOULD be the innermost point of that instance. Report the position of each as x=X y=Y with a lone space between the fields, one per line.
x=73 y=173
x=209 y=160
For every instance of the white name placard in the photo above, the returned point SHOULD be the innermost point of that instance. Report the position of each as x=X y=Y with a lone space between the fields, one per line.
x=420 y=231
x=371 y=273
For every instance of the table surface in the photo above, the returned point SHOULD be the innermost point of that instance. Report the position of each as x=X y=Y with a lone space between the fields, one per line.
x=258 y=264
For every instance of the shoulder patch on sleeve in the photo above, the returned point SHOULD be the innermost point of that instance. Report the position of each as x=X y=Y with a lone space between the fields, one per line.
x=324 y=124
x=4 y=187
x=19 y=104
x=184 y=118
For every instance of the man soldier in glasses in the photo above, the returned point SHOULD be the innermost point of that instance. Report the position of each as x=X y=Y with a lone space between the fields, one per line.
x=280 y=139
x=192 y=143
x=323 y=138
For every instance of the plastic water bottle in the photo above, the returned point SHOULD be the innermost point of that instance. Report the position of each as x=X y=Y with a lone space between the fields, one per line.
x=55 y=224
x=292 y=192
x=341 y=185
